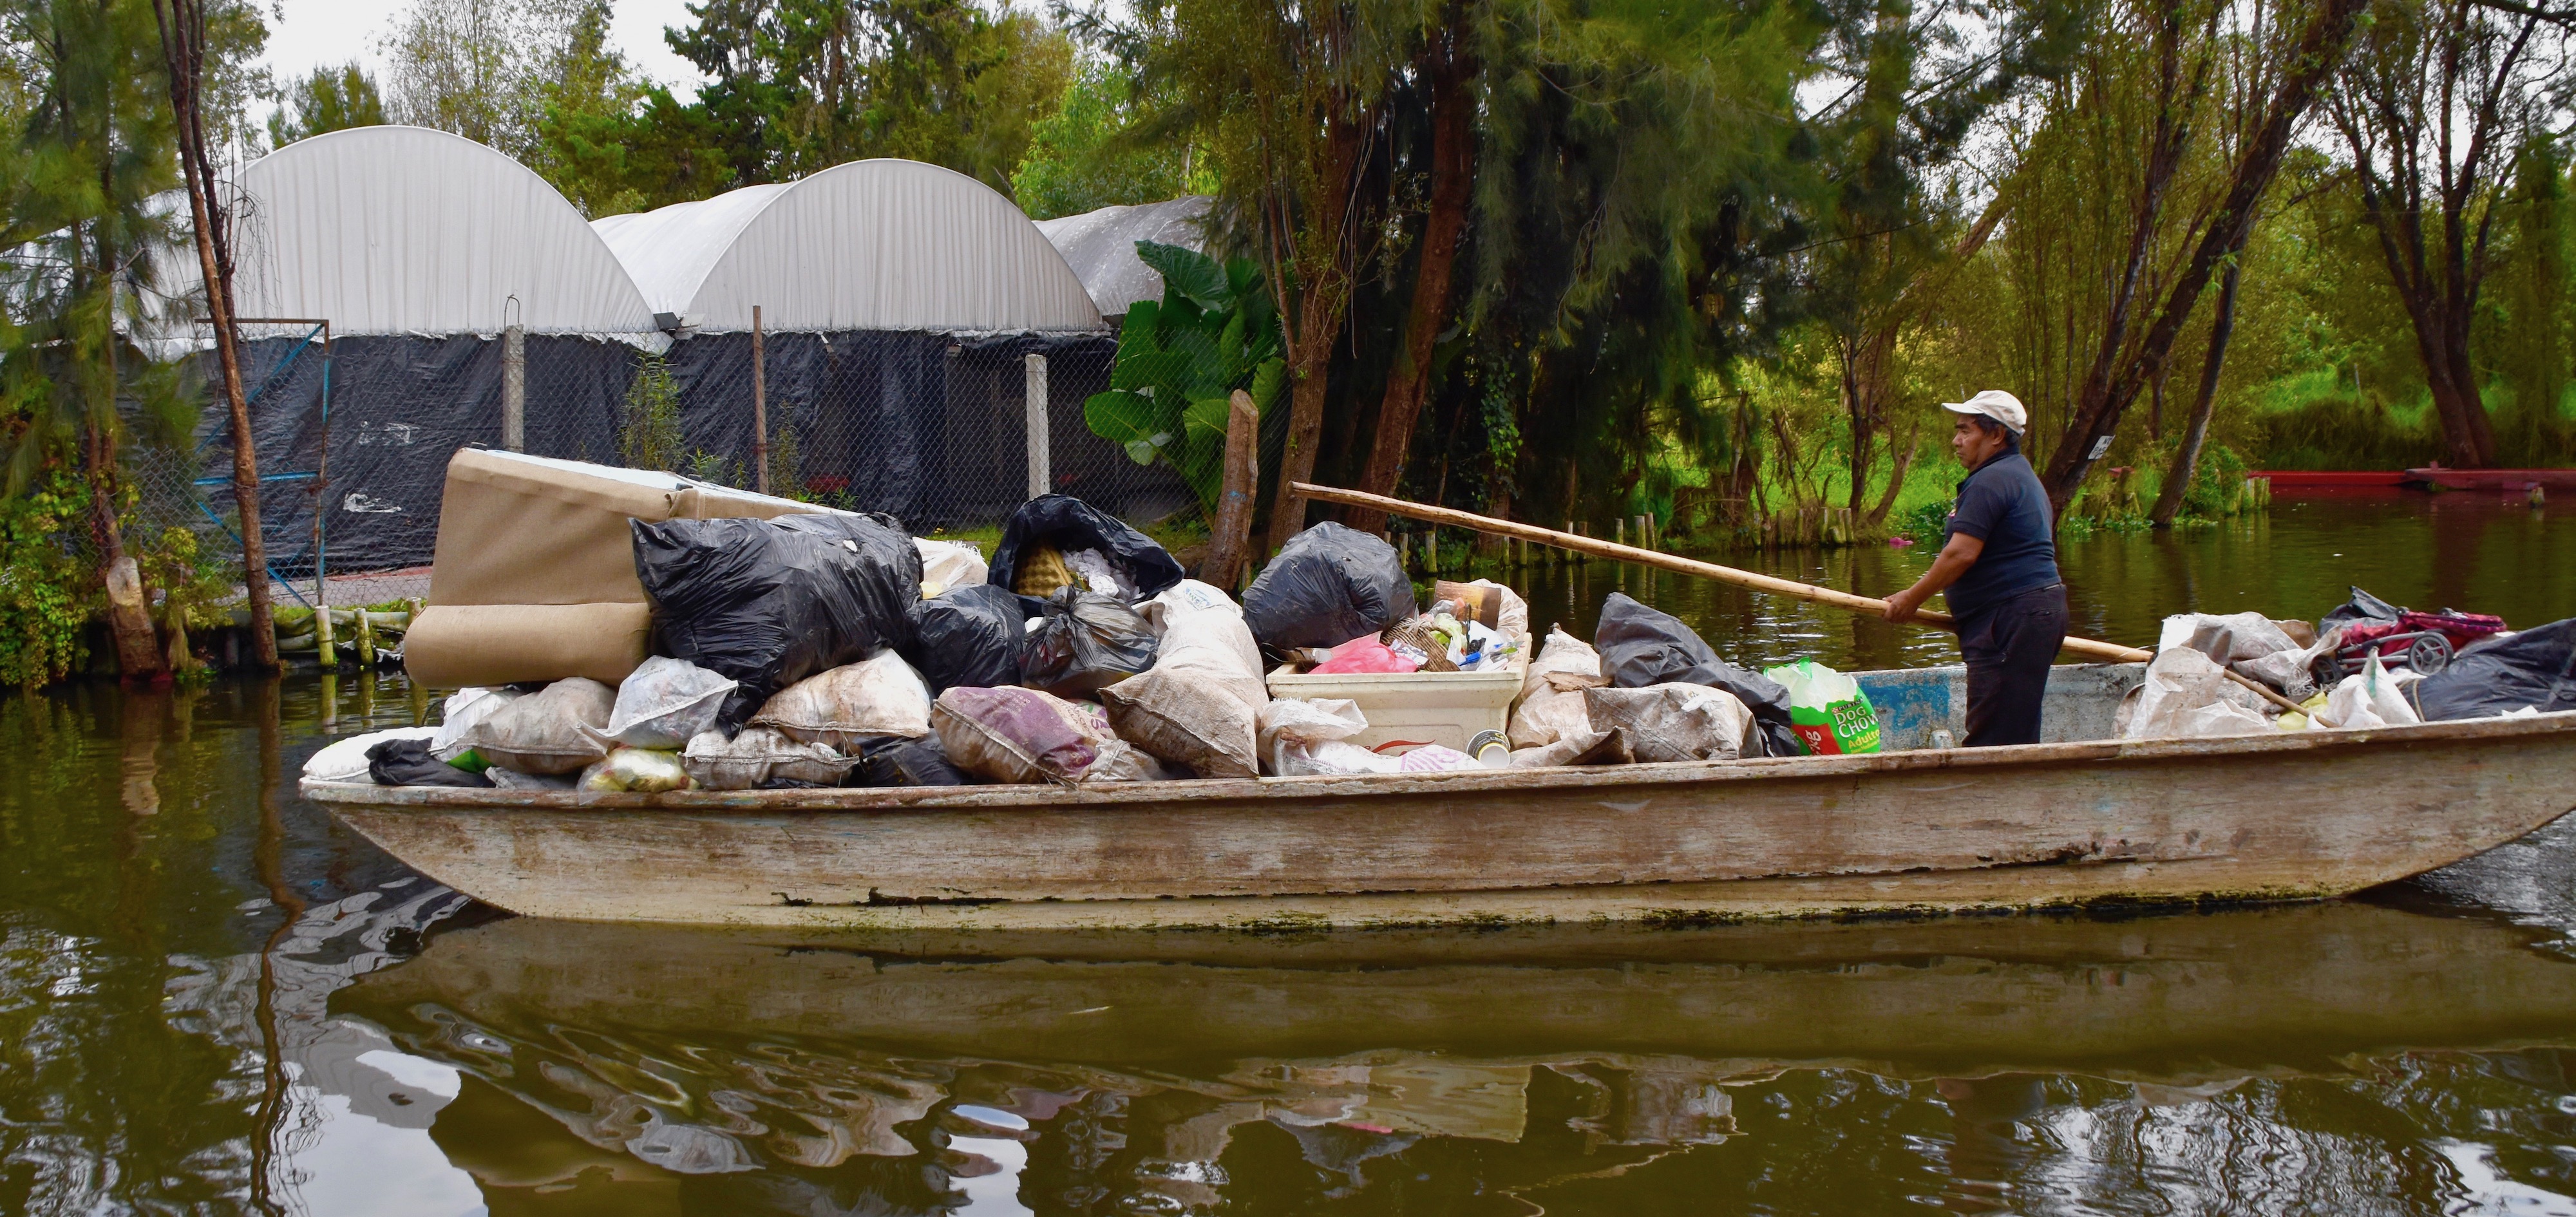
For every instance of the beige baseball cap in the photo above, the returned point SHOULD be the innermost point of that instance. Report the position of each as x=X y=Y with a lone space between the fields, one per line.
x=1995 y=404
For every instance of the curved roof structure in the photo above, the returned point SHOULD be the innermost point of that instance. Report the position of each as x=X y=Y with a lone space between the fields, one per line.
x=869 y=245
x=398 y=230
x=1101 y=246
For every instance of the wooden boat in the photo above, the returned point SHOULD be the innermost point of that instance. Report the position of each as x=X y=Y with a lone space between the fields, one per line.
x=2083 y=820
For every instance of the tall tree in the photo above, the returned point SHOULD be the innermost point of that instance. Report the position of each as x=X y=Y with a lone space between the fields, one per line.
x=801 y=85
x=1290 y=102
x=2534 y=360
x=2310 y=58
x=183 y=29
x=331 y=99
x=1097 y=150
x=1916 y=84
x=1448 y=63
x=2433 y=106
x=96 y=149
x=479 y=68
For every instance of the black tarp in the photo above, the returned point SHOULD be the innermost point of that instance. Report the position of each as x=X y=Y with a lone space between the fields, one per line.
x=929 y=427
x=400 y=406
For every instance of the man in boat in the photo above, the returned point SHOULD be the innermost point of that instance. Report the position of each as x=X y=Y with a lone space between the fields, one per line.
x=1999 y=566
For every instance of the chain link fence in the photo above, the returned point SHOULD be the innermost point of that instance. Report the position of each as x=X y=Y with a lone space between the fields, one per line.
x=948 y=433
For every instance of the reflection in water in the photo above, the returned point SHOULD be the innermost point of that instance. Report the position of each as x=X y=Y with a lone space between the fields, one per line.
x=2011 y=1064
x=212 y=999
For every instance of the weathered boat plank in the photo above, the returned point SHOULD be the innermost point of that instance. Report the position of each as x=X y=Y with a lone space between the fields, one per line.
x=2254 y=817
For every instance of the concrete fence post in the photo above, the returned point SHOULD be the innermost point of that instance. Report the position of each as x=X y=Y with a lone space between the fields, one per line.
x=1040 y=477
x=514 y=388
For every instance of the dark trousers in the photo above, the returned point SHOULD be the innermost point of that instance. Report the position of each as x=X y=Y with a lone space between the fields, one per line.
x=2009 y=646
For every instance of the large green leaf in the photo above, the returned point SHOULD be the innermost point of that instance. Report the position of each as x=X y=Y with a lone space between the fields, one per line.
x=1123 y=418
x=1207 y=418
x=1267 y=379
x=1148 y=368
x=1195 y=276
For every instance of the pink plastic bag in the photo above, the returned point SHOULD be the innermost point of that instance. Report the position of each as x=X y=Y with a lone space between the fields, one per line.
x=1363 y=654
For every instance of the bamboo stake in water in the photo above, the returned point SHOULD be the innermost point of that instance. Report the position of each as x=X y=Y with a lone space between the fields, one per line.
x=1808 y=592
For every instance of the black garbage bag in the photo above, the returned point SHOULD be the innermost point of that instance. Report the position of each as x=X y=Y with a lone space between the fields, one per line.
x=1069 y=525
x=1640 y=646
x=771 y=602
x=2362 y=607
x=2536 y=668
x=975 y=636
x=1328 y=585
x=892 y=760
x=1088 y=642
x=407 y=762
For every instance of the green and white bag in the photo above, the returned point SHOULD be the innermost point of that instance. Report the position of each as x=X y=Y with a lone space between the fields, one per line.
x=1827 y=709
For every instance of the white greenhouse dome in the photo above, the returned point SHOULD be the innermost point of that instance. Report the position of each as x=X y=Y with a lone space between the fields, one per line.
x=406 y=230
x=1101 y=246
x=889 y=245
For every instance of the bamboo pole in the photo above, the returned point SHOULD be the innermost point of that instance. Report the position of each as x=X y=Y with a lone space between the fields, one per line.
x=1808 y=592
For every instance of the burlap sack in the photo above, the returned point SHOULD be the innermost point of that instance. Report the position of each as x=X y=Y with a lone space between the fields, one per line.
x=554 y=730
x=1185 y=718
x=877 y=696
x=1675 y=722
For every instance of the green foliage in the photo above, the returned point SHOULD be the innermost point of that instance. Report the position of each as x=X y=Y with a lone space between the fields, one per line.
x=1927 y=523
x=1215 y=331
x=649 y=436
x=786 y=466
x=2217 y=484
x=191 y=582
x=46 y=597
x=798 y=88
x=1094 y=151
x=328 y=100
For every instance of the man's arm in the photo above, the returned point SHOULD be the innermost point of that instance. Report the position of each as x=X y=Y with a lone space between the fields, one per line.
x=1956 y=557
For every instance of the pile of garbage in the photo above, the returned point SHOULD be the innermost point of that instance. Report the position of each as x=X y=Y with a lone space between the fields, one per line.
x=831 y=649
x=2368 y=663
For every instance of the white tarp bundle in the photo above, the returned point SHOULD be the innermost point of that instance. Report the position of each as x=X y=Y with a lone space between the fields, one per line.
x=870 y=245
x=405 y=230
x=1100 y=246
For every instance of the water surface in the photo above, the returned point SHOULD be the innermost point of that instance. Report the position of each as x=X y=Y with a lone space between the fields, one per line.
x=213 y=999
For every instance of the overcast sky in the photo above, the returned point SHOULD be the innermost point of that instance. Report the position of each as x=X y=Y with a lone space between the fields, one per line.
x=306 y=34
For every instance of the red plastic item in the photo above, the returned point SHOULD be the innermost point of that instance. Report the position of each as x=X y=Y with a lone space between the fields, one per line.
x=1363 y=654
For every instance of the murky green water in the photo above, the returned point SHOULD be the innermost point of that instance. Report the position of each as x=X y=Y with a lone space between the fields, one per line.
x=213 y=999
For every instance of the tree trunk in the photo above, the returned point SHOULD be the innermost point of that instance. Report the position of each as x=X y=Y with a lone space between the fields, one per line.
x=1895 y=485
x=2186 y=459
x=129 y=611
x=1322 y=300
x=1453 y=180
x=1231 y=539
x=183 y=41
x=2097 y=415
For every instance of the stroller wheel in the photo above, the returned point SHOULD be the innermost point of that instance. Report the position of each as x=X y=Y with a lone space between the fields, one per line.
x=2429 y=654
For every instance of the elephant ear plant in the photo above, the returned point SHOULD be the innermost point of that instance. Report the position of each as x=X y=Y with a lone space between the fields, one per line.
x=1214 y=331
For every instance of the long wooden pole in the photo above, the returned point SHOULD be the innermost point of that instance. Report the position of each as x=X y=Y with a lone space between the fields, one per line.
x=1808 y=592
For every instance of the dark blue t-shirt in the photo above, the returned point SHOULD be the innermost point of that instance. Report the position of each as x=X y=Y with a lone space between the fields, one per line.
x=2002 y=504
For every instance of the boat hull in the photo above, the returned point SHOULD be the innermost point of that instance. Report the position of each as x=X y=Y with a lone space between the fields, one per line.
x=2285 y=816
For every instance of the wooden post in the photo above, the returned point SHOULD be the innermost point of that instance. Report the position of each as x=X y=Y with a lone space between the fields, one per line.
x=759 y=406
x=366 y=632
x=514 y=388
x=325 y=647
x=1042 y=476
x=1230 y=535
x=1431 y=551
